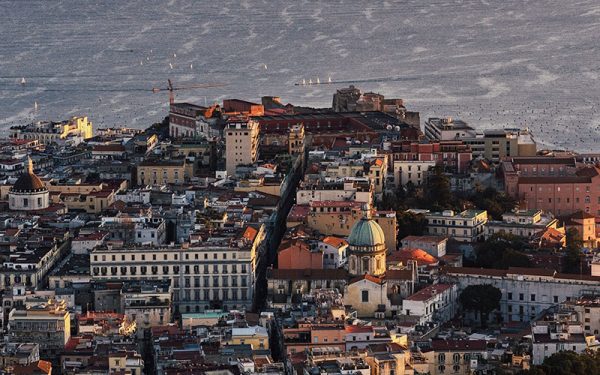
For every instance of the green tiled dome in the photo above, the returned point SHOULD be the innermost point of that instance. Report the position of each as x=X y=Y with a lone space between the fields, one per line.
x=366 y=233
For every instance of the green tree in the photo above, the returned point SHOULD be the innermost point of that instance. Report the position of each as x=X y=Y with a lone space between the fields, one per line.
x=494 y=202
x=481 y=298
x=502 y=250
x=568 y=363
x=410 y=224
x=572 y=257
x=437 y=195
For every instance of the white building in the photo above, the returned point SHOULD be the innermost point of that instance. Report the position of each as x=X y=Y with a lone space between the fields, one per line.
x=435 y=303
x=558 y=332
x=28 y=193
x=334 y=252
x=216 y=273
x=523 y=223
x=241 y=143
x=147 y=302
x=413 y=171
x=467 y=226
x=433 y=245
x=526 y=292
x=357 y=189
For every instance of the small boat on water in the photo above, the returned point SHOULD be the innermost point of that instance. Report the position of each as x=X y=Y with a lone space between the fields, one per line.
x=23 y=81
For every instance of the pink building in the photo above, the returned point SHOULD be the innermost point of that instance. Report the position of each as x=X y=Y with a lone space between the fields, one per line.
x=556 y=185
x=297 y=255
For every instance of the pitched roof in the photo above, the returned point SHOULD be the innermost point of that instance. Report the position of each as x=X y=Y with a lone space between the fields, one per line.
x=335 y=241
x=370 y=278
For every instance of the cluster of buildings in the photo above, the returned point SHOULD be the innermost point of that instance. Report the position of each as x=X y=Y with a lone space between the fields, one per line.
x=249 y=238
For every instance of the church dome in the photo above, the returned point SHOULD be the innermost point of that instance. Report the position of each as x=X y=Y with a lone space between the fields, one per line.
x=366 y=235
x=28 y=182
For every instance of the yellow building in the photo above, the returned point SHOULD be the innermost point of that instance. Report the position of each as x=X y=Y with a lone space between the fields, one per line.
x=337 y=219
x=48 y=324
x=256 y=336
x=296 y=139
x=125 y=362
x=164 y=172
x=241 y=143
x=48 y=132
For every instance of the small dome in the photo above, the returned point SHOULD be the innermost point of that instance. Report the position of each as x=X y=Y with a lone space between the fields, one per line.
x=28 y=182
x=366 y=233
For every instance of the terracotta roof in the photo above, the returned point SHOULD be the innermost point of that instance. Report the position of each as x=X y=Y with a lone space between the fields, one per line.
x=429 y=292
x=421 y=256
x=28 y=182
x=39 y=367
x=370 y=278
x=358 y=329
x=335 y=241
x=250 y=233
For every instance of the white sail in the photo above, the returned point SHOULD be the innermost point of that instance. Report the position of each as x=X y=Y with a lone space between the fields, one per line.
x=23 y=81
x=171 y=65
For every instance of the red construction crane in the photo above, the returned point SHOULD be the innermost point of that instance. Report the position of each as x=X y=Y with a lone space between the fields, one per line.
x=172 y=88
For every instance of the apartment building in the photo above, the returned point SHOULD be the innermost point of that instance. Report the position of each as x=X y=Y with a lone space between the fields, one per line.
x=523 y=223
x=557 y=331
x=47 y=132
x=164 y=172
x=452 y=156
x=216 y=272
x=48 y=325
x=411 y=171
x=556 y=185
x=357 y=189
x=241 y=143
x=466 y=226
x=493 y=145
x=147 y=303
x=435 y=303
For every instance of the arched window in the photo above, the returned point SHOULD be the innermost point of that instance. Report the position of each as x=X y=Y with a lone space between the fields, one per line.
x=365 y=264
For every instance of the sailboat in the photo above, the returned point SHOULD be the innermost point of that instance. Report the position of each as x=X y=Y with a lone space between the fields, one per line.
x=35 y=106
x=318 y=81
x=171 y=65
x=265 y=65
x=303 y=82
x=23 y=81
x=329 y=80
x=310 y=81
x=191 y=66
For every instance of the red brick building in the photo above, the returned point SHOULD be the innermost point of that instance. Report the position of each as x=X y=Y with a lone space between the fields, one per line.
x=556 y=185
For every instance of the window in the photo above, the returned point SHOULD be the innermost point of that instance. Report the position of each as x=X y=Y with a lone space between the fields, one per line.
x=365 y=296
x=509 y=295
x=521 y=296
x=533 y=298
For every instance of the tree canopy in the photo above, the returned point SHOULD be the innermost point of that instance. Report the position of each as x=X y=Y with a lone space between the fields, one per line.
x=502 y=250
x=568 y=363
x=481 y=298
